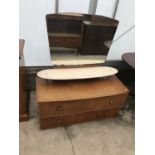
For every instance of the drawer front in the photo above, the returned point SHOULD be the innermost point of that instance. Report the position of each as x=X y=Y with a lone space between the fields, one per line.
x=66 y=120
x=70 y=107
x=65 y=41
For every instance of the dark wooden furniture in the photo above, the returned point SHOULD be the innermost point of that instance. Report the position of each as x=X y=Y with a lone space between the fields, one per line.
x=23 y=114
x=129 y=58
x=63 y=103
x=90 y=34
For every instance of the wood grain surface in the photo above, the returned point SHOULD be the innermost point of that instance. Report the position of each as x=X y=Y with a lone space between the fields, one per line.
x=50 y=122
x=77 y=90
x=63 y=103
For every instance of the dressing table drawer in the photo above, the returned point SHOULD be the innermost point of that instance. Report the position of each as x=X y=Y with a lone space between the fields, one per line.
x=70 y=107
x=49 y=122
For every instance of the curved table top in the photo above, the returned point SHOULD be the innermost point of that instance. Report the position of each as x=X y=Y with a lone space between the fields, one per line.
x=77 y=73
x=129 y=58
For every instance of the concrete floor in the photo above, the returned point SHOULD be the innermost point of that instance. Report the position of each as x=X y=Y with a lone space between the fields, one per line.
x=106 y=137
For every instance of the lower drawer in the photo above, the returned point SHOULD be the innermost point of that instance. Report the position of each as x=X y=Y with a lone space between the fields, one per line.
x=49 y=122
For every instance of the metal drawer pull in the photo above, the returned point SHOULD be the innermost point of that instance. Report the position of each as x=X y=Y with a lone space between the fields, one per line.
x=106 y=113
x=59 y=108
x=59 y=121
x=111 y=101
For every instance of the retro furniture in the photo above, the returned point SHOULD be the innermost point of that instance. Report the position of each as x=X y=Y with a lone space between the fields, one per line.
x=63 y=103
x=23 y=114
x=64 y=100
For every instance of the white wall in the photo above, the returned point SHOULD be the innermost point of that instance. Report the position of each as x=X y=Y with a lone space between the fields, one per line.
x=126 y=16
x=124 y=44
x=105 y=7
x=33 y=30
x=81 y=6
x=33 y=26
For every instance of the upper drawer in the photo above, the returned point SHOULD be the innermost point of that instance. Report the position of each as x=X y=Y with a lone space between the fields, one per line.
x=70 y=107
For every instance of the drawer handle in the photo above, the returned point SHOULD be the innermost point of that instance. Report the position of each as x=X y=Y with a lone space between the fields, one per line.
x=111 y=101
x=59 y=108
x=106 y=113
x=59 y=121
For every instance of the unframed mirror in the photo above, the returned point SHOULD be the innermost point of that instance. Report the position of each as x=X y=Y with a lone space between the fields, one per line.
x=79 y=39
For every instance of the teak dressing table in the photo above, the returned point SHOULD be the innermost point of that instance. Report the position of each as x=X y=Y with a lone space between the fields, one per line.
x=63 y=103
x=67 y=102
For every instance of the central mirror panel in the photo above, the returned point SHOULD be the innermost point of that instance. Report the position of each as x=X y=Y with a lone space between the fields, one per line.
x=79 y=39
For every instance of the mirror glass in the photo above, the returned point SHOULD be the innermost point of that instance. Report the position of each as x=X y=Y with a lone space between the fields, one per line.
x=77 y=39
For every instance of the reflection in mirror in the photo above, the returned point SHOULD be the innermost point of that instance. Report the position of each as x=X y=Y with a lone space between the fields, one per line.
x=77 y=39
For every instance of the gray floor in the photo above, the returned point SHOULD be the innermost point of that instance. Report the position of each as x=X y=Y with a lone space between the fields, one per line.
x=106 y=137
